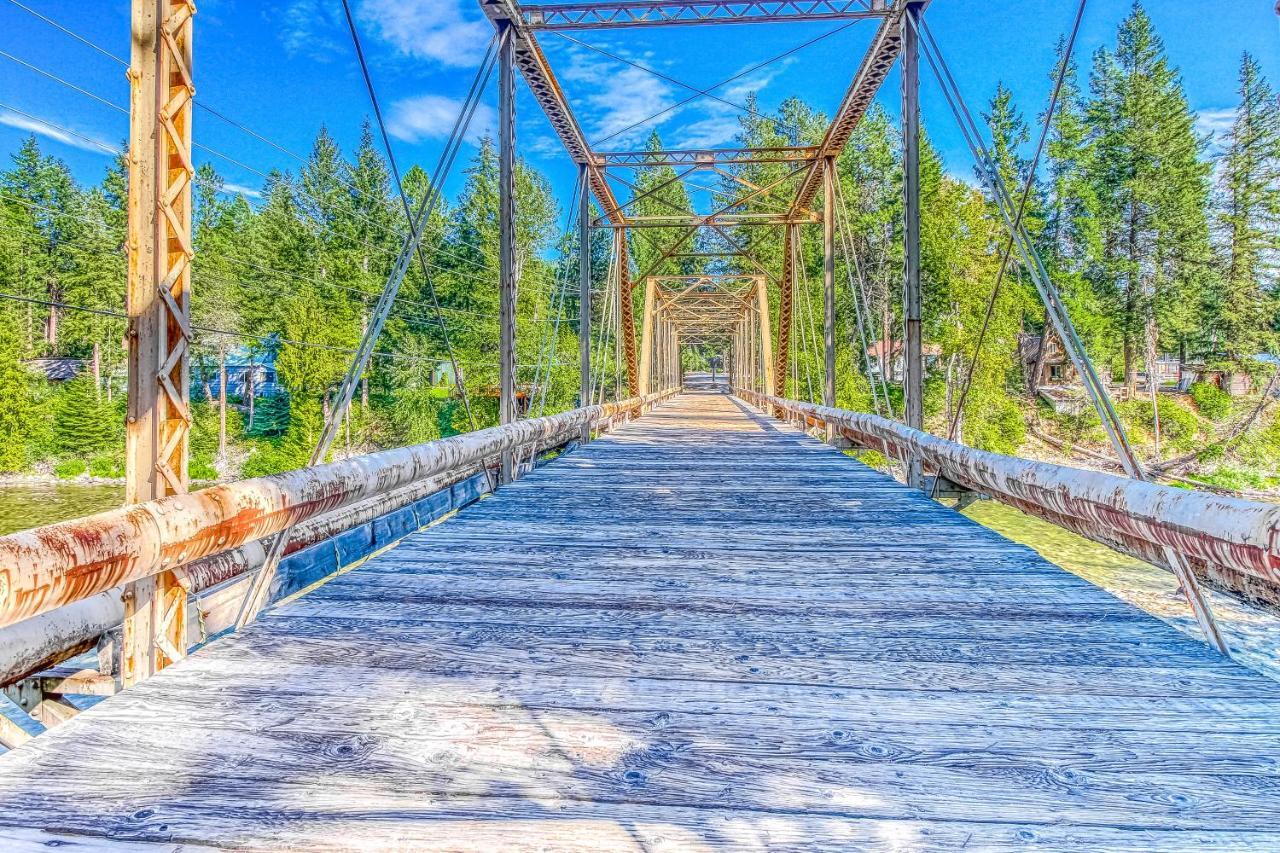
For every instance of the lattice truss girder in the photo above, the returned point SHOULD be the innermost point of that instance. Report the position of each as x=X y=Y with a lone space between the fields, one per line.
x=703 y=306
x=730 y=212
x=604 y=15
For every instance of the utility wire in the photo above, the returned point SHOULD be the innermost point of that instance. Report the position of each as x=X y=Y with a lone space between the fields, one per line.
x=725 y=82
x=1028 y=186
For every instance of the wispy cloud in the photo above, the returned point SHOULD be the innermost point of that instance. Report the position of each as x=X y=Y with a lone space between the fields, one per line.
x=621 y=98
x=722 y=121
x=1216 y=124
x=542 y=145
x=241 y=189
x=77 y=139
x=309 y=28
x=433 y=116
x=450 y=32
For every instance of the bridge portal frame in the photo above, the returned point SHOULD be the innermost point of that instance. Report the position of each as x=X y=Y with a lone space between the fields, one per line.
x=524 y=21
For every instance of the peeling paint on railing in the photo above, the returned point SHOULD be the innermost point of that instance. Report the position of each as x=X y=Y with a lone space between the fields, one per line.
x=1137 y=517
x=55 y=565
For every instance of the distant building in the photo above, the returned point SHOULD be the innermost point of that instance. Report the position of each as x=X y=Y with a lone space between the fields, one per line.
x=245 y=367
x=1055 y=368
x=882 y=358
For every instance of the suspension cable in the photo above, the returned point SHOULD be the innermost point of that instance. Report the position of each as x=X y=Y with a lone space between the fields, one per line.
x=1028 y=185
x=254 y=598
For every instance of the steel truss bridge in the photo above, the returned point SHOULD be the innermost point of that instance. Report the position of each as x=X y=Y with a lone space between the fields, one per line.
x=679 y=619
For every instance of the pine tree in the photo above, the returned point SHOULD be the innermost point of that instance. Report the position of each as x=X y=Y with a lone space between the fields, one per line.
x=15 y=392
x=1152 y=188
x=1243 y=306
x=83 y=424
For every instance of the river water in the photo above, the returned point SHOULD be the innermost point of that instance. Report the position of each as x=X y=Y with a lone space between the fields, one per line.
x=1254 y=634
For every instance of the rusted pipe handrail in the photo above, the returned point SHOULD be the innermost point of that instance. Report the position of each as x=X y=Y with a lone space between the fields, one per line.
x=52 y=566
x=1137 y=517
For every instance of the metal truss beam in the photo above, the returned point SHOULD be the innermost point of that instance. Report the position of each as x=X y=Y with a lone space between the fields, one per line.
x=875 y=66
x=726 y=220
x=161 y=171
x=704 y=157
x=644 y=13
x=542 y=81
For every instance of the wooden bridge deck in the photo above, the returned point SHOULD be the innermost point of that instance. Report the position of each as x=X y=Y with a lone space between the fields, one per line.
x=705 y=630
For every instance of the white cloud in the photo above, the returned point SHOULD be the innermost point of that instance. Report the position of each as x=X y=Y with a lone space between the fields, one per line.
x=432 y=117
x=309 y=28
x=722 y=121
x=1216 y=124
x=78 y=139
x=542 y=145
x=241 y=189
x=619 y=96
x=450 y=32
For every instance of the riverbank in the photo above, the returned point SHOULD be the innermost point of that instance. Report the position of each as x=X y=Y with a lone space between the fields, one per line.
x=1252 y=633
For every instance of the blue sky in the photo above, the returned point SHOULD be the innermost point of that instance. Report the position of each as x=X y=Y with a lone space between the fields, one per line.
x=284 y=69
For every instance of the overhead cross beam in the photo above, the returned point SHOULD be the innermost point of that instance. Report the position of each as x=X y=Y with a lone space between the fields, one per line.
x=875 y=66
x=705 y=157
x=647 y=13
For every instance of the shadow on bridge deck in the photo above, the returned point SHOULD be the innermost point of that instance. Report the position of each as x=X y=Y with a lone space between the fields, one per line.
x=705 y=630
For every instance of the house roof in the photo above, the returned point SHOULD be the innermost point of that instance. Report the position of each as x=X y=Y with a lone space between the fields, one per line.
x=58 y=369
x=877 y=349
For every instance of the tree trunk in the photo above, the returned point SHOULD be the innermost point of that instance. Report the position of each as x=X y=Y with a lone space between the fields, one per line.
x=97 y=369
x=222 y=403
x=1037 y=368
x=1153 y=382
x=51 y=325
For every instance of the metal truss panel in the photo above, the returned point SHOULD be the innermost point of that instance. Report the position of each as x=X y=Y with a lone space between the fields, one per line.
x=603 y=15
x=542 y=82
x=705 y=157
x=875 y=66
x=719 y=222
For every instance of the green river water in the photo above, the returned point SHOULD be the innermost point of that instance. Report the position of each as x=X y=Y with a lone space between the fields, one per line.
x=1253 y=634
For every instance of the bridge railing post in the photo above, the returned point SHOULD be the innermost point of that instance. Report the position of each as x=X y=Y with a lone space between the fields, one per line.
x=161 y=93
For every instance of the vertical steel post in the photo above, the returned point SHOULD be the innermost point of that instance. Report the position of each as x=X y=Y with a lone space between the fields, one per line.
x=913 y=387
x=646 y=338
x=766 y=337
x=158 y=304
x=507 y=238
x=829 y=282
x=626 y=310
x=584 y=298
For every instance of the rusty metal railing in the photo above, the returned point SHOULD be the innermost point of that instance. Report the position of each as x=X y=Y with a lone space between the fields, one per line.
x=1233 y=543
x=51 y=567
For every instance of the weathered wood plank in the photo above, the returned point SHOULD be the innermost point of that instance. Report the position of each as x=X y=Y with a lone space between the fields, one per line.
x=706 y=631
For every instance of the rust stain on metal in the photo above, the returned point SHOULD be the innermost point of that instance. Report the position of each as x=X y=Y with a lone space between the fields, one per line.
x=1136 y=517
x=52 y=566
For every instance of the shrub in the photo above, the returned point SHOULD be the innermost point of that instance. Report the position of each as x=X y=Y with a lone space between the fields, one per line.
x=69 y=469
x=1178 y=427
x=106 y=467
x=1211 y=401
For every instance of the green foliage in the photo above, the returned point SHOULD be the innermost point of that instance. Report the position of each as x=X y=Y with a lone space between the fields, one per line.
x=16 y=413
x=106 y=467
x=1178 y=426
x=84 y=423
x=1210 y=400
x=69 y=469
